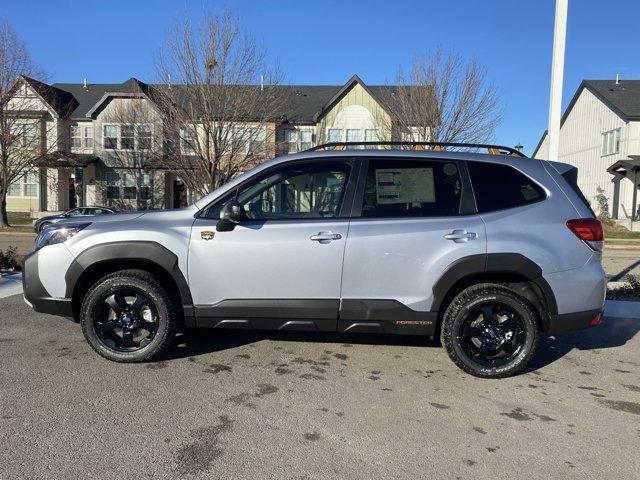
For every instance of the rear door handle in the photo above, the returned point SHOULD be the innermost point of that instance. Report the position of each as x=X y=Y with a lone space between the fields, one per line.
x=461 y=236
x=325 y=237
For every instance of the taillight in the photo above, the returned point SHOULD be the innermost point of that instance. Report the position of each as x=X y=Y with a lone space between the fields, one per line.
x=589 y=230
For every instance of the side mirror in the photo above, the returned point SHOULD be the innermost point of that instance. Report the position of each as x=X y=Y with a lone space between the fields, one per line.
x=231 y=214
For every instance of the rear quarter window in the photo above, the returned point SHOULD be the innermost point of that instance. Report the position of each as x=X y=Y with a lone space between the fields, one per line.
x=498 y=187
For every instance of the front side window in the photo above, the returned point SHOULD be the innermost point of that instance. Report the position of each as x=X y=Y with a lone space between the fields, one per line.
x=411 y=188
x=497 y=187
x=304 y=192
x=611 y=142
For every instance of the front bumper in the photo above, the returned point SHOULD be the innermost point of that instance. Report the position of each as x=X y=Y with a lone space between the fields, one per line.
x=36 y=295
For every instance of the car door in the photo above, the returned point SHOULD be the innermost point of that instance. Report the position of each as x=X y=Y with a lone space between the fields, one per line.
x=413 y=219
x=281 y=266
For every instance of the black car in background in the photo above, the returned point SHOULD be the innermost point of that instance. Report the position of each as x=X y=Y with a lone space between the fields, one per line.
x=44 y=222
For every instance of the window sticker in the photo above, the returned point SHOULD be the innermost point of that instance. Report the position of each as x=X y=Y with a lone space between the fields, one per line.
x=405 y=185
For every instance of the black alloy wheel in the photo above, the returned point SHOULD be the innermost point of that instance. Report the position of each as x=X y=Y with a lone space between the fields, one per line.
x=490 y=331
x=127 y=316
x=126 y=320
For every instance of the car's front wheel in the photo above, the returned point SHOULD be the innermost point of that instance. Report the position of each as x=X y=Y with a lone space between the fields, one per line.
x=489 y=331
x=128 y=317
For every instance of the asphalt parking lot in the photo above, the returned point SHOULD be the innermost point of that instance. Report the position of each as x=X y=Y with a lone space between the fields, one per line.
x=267 y=405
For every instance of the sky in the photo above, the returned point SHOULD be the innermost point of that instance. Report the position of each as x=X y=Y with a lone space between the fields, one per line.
x=326 y=42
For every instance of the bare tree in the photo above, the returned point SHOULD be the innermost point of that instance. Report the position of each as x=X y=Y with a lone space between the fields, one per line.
x=444 y=99
x=221 y=100
x=21 y=134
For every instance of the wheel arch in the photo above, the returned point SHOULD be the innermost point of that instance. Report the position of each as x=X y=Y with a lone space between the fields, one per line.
x=103 y=259
x=512 y=270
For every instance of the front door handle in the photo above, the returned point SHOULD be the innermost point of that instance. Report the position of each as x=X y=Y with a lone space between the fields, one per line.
x=325 y=237
x=461 y=236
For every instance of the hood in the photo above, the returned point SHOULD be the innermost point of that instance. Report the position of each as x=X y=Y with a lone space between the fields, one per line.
x=114 y=217
x=49 y=217
x=125 y=216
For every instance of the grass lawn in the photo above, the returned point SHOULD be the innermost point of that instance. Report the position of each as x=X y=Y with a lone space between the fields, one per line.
x=613 y=231
x=20 y=222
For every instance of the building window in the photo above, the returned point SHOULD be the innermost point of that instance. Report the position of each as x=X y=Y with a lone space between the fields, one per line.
x=129 y=190
x=127 y=140
x=127 y=136
x=611 y=142
x=128 y=186
x=297 y=140
x=248 y=139
x=144 y=186
x=26 y=186
x=188 y=140
x=81 y=136
x=110 y=137
x=335 y=135
x=25 y=135
x=371 y=135
x=113 y=185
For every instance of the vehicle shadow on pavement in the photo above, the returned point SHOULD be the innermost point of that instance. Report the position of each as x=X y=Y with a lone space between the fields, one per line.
x=611 y=333
x=197 y=341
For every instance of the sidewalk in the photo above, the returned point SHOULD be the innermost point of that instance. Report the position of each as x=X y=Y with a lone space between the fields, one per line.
x=10 y=285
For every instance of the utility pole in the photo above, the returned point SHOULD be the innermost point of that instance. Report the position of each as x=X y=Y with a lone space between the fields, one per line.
x=557 y=73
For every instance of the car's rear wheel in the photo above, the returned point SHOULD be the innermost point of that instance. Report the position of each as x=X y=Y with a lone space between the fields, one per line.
x=489 y=331
x=44 y=225
x=128 y=317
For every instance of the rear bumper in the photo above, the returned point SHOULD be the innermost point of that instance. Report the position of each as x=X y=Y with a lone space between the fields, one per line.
x=37 y=296
x=568 y=322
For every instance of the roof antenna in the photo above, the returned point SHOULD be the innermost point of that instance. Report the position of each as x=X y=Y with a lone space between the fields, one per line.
x=617 y=79
x=262 y=83
x=84 y=84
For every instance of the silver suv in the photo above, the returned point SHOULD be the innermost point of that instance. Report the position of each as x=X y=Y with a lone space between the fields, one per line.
x=483 y=250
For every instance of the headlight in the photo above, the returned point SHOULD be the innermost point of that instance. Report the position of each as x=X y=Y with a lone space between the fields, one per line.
x=57 y=234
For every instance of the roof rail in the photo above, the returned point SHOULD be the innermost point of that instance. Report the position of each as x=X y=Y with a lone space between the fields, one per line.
x=436 y=146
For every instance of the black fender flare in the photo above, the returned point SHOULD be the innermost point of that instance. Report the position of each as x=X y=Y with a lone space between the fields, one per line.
x=147 y=251
x=493 y=263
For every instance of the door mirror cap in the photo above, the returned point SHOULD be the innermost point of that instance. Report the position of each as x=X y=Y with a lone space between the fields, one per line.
x=231 y=214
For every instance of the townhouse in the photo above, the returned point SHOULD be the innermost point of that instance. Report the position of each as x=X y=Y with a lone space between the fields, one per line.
x=600 y=135
x=90 y=156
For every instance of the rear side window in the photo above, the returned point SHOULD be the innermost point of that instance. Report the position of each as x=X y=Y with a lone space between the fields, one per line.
x=411 y=188
x=497 y=187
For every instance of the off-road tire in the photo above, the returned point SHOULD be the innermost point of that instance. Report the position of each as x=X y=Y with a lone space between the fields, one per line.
x=144 y=281
x=461 y=306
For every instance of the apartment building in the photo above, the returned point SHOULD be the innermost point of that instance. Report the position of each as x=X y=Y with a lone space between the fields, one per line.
x=90 y=156
x=600 y=135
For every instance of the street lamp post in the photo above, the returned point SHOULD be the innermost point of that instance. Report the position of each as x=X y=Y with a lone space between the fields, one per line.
x=557 y=73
